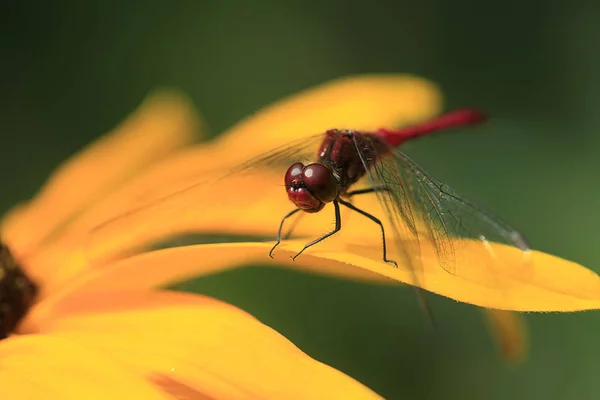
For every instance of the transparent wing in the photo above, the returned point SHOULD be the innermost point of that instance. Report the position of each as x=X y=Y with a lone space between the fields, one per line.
x=300 y=150
x=449 y=216
x=243 y=200
x=424 y=211
x=394 y=198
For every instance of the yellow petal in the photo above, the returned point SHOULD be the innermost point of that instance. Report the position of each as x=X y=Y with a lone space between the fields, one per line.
x=201 y=344
x=47 y=367
x=545 y=283
x=165 y=267
x=360 y=102
x=165 y=122
x=364 y=102
x=252 y=203
x=508 y=328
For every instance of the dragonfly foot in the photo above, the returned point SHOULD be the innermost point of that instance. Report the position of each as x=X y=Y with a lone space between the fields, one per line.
x=271 y=252
x=394 y=263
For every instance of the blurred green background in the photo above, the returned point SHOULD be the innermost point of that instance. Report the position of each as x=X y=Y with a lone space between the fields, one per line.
x=71 y=70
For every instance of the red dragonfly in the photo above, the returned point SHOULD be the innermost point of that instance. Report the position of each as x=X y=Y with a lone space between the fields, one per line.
x=409 y=194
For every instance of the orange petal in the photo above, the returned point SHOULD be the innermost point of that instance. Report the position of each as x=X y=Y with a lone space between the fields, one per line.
x=194 y=344
x=47 y=367
x=165 y=267
x=251 y=203
x=247 y=204
x=508 y=328
x=166 y=121
x=545 y=283
x=366 y=102
x=361 y=102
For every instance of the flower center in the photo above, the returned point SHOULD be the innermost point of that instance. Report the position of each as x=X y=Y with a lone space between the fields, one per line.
x=17 y=292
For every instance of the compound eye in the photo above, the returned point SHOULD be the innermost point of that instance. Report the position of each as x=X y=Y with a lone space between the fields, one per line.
x=293 y=173
x=321 y=182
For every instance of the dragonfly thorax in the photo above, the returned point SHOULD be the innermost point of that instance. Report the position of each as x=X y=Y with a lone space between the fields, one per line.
x=340 y=152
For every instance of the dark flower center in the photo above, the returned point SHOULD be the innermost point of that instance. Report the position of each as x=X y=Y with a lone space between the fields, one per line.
x=17 y=292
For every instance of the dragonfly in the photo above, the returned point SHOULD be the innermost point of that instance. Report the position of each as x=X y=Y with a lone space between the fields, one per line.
x=408 y=193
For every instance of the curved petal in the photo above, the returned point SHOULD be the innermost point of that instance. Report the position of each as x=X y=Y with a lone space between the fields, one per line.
x=165 y=122
x=208 y=208
x=195 y=344
x=366 y=102
x=165 y=267
x=545 y=283
x=363 y=101
x=252 y=204
x=47 y=367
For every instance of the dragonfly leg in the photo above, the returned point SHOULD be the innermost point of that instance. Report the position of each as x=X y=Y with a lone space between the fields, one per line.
x=294 y=223
x=281 y=228
x=378 y=222
x=338 y=226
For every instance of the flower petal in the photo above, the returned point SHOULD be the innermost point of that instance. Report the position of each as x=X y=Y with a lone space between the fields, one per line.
x=364 y=101
x=47 y=367
x=194 y=343
x=508 y=328
x=246 y=204
x=544 y=283
x=165 y=267
x=359 y=102
x=251 y=203
x=164 y=122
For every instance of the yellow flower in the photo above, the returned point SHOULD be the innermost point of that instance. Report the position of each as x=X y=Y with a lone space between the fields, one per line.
x=87 y=249
x=123 y=339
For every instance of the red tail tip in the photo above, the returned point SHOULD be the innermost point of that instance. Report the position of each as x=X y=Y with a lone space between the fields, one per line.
x=452 y=119
x=469 y=116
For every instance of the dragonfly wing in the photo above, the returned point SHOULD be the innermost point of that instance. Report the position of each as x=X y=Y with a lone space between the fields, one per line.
x=423 y=211
x=181 y=207
x=303 y=150
x=449 y=219
x=393 y=194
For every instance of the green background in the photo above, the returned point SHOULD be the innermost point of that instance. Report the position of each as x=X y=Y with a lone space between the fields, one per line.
x=71 y=70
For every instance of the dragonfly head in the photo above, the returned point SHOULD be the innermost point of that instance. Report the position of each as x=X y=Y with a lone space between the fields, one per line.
x=310 y=186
